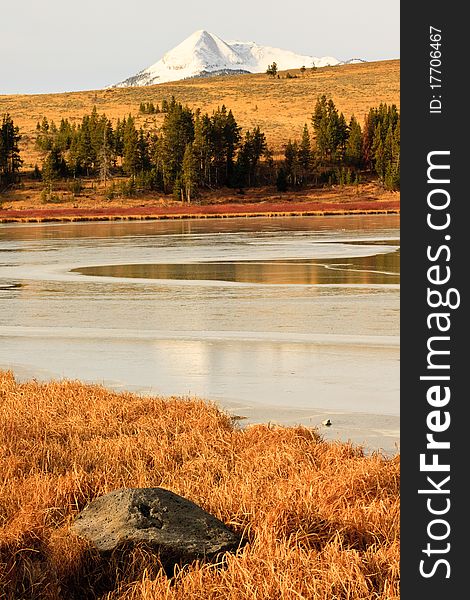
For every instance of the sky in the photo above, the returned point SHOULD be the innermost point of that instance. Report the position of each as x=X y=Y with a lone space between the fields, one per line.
x=67 y=45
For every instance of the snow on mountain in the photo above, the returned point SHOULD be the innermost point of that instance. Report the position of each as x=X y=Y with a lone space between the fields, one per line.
x=352 y=61
x=257 y=58
x=203 y=54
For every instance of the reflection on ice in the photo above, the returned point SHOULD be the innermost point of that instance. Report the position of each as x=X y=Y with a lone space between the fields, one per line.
x=375 y=269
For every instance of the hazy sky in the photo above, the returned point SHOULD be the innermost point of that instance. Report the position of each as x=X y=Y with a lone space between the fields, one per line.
x=67 y=45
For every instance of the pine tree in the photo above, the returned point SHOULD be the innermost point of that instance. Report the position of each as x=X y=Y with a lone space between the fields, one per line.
x=292 y=163
x=392 y=168
x=143 y=162
x=268 y=166
x=272 y=69
x=178 y=193
x=368 y=138
x=130 y=147
x=224 y=136
x=74 y=163
x=231 y=141
x=281 y=181
x=44 y=128
x=330 y=129
x=202 y=146
x=86 y=151
x=336 y=132
x=305 y=150
x=250 y=152
x=54 y=167
x=353 y=152
x=119 y=138
x=189 y=175
x=217 y=145
x=379 y=151
x=395 y=175
x=10 y=161
x=177 y=132
x=382 y=144
x=320 y=127
x=341 y=137
x=44 y=138
x=105 y=152
x=64 y=136
x=385 y=116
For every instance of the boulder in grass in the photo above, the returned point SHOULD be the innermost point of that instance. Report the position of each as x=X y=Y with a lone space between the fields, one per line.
x=179 y=530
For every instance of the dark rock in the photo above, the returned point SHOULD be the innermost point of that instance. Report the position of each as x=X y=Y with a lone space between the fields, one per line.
x=177 y=528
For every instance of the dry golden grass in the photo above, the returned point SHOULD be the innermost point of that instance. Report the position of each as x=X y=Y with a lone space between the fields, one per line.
x=321 y=519
x=279 y=106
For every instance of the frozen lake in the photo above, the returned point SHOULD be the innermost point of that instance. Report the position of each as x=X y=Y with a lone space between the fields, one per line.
x=289 y=320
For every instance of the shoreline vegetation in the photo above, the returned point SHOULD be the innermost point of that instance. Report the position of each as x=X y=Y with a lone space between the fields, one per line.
x=224 y=211
x=365 y=198
x=320 y=519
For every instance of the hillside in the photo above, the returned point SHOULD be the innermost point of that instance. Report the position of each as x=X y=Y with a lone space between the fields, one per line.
x=279 y=106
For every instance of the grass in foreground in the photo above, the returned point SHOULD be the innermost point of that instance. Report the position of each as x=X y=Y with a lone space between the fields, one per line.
x=321 y=518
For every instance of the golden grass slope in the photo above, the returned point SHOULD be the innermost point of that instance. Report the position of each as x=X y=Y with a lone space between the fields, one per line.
x=321 y=519
x=279 y=106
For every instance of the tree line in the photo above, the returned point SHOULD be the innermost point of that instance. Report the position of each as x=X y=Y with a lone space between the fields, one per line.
x=341 y=151
x=190 y=151
x=193 y=151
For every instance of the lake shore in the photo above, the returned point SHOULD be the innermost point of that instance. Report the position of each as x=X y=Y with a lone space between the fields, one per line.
x=367 y=198
x=319 y=517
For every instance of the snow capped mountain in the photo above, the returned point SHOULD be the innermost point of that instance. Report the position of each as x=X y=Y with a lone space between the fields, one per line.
x=203 y=54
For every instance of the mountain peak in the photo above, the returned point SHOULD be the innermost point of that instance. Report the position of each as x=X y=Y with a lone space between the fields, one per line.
x=200 y=51
x=200 y=33
x=204 y=53
x=201 y=36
